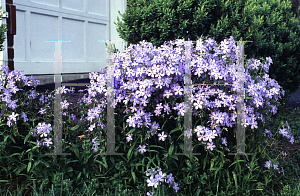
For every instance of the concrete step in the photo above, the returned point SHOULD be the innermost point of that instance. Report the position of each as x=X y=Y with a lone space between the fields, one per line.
x=51 y=86
x=49 y=79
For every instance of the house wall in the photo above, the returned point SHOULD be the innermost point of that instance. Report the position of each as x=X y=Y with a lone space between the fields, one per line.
x=30 y=13
x=115 y=5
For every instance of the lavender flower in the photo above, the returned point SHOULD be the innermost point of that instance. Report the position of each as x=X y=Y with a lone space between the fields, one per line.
x=167 y=78
x=159 y=177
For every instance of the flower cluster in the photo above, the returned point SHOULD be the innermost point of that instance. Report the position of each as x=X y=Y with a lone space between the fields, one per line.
x=269 y=164
x=147 y=77
x=140 y=77
x=285 y=133
x=42 y=130
x=159 y=177
x=96 y=144
x=8 y=86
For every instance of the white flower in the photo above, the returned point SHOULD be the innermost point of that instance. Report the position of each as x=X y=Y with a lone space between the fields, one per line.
x=13 y=116
x=162 y=136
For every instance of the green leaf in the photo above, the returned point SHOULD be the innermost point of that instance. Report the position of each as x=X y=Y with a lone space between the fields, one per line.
x=12 y=139
x=85 y=161
x=28 y=150
x=26 y=138
x=174 y=157
x=235 y=179
x=46 y=164
x=76 y=151
x=212 y=164
x=131 y=131
x=116 y=175
x=78 y=176
x=136 y=164
x=164 y=124
x=105 y=165
x=5 y=138
x=130 y=152
x=29 y=166
x=237 y=162
x=133 y=175
x=155 y=146
x=177 y=129
x=70 y=169
x=153 y=151
x=14 y=154
x=171 y=149
x=204 y=162
x=32 y=149
x=74 y=128
x=36 y=163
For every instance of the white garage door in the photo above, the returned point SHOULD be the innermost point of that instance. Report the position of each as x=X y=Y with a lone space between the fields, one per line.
x=83 y=22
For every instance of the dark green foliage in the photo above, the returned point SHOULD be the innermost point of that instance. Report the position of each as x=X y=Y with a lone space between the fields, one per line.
x=270 y=24
x=157 y=21
x=3 y=30
x=295 y=7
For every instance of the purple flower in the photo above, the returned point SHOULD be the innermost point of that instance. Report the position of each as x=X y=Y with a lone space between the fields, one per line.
x=131 y=121
x=176 y=187
x=268 y=164
x=73 y=117
x=42 y=111
x=47 y=141
x=91 y=128
x=210 y=146
x=44 y=133
x=248 y=167
x=275 y=166
x=40 y=127
x=13 y=105
x=170 y=178
x=292 y=139
x=224 y=141
x=142 y=149
x=65 y=104
x=24 y=116
x=268 y=132
x=9 y=124
x=166 y=79
x=129 y=137
x=282 y=170
x=39 y=143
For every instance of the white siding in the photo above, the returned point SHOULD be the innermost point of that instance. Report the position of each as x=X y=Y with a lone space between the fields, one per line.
x=83 y=22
